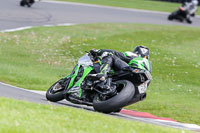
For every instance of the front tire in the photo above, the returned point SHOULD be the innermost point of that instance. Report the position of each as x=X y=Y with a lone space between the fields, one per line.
x=115 y=103
x=22 y=3
x=170 y=17
x=55 y=96
x=173 y=15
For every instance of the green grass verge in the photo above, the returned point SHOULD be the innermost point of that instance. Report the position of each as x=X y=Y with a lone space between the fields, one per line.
x=37 y=57
x=136 y=4
x=24 y=117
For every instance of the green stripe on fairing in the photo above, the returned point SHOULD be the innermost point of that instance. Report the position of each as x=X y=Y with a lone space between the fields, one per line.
x=87 y=70
x=73 y=76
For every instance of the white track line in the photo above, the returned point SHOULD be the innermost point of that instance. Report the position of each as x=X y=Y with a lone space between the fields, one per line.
x=167 y=123
x=29 y=27
x=1 y=83
x=38 y=92
x=16 y=29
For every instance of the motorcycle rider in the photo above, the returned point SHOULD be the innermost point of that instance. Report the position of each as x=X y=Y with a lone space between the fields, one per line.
x=191 y=7
x=113 y=59
x=117 y=60
x=27 y=2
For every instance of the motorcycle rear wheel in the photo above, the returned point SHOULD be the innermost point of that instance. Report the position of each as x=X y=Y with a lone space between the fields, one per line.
x=125 y=92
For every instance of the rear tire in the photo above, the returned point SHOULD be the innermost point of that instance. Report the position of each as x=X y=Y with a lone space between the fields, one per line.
x=54 y=97
x=189 y=21
x=118 y=101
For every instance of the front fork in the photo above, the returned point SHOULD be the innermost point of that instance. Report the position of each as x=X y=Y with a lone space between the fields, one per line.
x=69 y=81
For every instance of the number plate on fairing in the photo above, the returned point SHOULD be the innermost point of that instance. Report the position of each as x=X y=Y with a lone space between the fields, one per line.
x=143 y=87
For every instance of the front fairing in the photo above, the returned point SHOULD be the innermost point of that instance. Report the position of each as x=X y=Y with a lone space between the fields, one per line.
x=81 y=70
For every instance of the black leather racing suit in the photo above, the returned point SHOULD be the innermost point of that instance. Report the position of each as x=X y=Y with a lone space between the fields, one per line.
x=113 y=59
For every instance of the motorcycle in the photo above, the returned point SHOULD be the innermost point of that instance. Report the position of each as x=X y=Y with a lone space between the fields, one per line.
x=27 y=2
x=120 y=89
x=184 y=13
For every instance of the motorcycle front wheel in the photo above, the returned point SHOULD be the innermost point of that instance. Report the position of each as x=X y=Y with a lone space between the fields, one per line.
x=22 y=3
x=170 y=17
x=55 y=92
x=125 y=92
x=173 y=15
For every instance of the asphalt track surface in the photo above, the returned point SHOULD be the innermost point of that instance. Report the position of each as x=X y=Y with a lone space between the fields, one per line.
x=52 y=13
x=47 y=12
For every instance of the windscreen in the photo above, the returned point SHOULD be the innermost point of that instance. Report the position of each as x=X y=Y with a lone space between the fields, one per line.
x=85 y=60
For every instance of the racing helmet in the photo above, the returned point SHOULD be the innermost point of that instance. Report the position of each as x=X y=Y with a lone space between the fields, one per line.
x=195 y=2
x=142 y=51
